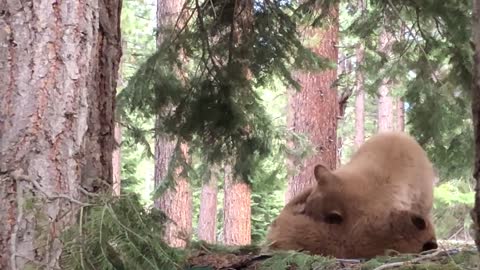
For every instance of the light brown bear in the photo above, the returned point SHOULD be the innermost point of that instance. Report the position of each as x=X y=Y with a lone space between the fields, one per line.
x=380 y=200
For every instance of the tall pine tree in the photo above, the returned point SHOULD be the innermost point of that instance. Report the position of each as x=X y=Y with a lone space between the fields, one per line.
x=385 y=99
x=176 y=199
x=476 y=116
x=313 y=111
x=59 y=72
x=237 y=202
x=360 y=87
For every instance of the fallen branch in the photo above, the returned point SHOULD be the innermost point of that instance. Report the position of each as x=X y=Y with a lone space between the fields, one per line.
x=413 y=261
x=18 y=176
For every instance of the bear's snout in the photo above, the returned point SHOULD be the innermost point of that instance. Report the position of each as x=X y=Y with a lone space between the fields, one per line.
x=430 y=245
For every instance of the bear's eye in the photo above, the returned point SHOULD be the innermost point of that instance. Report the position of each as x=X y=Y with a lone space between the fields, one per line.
x=419 y=223
x=333 y=218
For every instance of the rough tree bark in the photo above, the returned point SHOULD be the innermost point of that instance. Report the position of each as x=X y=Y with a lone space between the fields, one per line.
x=207 y=220
x=385 y=100
x=360 y=90
x=176 y=203
x=237 y=210
x=58 y=67
x=313 y=111
x=476 y=117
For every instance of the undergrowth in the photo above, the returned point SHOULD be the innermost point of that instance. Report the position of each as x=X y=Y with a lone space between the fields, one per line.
x=119 y=233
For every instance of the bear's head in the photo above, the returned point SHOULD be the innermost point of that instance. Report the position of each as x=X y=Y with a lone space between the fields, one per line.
x=402 y=232
x=327 y=201
x=409 y=232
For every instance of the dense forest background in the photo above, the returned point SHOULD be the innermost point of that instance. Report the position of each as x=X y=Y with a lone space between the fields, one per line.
x=442 y=123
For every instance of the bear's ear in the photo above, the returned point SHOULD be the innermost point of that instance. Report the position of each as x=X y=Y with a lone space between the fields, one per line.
x=322 y=174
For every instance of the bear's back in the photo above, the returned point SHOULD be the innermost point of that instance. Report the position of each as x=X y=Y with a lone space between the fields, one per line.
x=390 y=171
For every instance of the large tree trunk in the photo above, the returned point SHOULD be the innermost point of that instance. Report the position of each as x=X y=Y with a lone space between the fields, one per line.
x=207 y=221
x=385 y=100
x=313 y=110
x=176 y=202
x=476 y=117
x=59 y=62
x=237 y=211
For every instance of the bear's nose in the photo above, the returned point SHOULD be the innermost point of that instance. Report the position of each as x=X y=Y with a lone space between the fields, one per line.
x=429 y=246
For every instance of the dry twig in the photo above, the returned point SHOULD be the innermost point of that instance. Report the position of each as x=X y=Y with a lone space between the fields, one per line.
x=412 y=261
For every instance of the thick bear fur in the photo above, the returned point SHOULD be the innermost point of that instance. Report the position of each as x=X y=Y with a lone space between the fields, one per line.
x=380 y=200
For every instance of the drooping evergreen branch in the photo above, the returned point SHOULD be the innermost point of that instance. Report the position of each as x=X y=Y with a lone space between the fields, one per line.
x=431 y=65
x=214 y=106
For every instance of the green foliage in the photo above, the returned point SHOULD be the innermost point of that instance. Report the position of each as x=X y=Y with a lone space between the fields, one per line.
x=450 y=194
x=138 y=42
x=213 y=105
x=297 y=260
x=138 y=37
x=265 y=208
x=137 y=164
x=458 y=198
x=431 y=61
x=118 y=233
x=430 y=64
x=221 y=114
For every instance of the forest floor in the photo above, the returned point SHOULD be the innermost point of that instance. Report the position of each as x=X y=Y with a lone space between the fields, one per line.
x=450 y=255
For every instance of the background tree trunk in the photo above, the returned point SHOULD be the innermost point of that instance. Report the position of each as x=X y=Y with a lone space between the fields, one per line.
x=313 y=110
x=360 y=90
x=385 y=100
x=116 y=155
x=344 y=68
x=117 y=160
x=400 y=108
x=176 y=202
x=237 y=211
x=59 y=64
x=237 y=201
x=476 y=117
x=359 y=112
x=207 y=221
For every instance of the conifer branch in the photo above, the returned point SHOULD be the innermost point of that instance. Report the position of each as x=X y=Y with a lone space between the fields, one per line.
x=410 y=31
